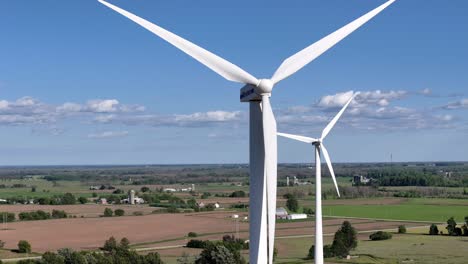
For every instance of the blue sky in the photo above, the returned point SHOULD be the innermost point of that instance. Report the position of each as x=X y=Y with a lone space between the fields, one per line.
x=80 y=84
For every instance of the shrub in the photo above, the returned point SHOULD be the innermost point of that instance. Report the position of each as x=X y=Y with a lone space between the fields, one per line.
x=36 y=215
x=238 y=194
x=2 y=243
x=327 y=252
x=308 y=211
x=24 y=246
x=451 y=225
x=119 y=212
x=433 y=230
x=192 y=234
x=195 y=243
x=52 y=258
x=138 y=213
x=82 y=200
x=9 y=217
x=58 y=214
x=380 y=235
x=108 y=212
x=402 y=229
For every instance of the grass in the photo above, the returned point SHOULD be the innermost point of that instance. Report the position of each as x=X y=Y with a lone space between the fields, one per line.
x=407 y=211
x=418 y=249
x=43 y=188
x=408 y=248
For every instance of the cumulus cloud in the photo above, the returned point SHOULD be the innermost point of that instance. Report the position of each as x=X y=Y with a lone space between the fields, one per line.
x=109 y=134
x=336 y=100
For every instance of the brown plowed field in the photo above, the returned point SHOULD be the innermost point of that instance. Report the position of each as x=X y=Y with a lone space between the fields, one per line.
x=90 y=233
x=86 y=210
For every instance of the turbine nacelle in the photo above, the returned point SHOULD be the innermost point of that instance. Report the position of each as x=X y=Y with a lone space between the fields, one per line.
x=252 y=92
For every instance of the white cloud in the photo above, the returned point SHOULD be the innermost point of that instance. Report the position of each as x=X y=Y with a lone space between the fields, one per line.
x=4 y=105
x=103 y=106
x=213 y=116
x=69 y=108
x=463 y=103
x=379 y=97
x=337 y=100
x=109 y=134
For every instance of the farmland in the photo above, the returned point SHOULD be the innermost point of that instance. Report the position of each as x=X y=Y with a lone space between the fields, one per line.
x=153 y=229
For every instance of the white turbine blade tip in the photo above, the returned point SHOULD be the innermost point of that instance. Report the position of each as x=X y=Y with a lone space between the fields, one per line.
x=305 y=56
x=217 y=64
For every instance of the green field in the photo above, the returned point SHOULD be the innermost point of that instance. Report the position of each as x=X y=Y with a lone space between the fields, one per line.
x=407 y=211
x=43 y=188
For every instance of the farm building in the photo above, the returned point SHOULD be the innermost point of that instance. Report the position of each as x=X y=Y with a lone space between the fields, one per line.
x=281 y=213
x=297 y=216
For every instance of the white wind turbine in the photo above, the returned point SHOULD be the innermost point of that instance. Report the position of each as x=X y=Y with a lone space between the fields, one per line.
x=318 y=143
x=263 y=149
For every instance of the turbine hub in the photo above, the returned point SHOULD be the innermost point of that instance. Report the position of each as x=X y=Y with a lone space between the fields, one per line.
x=264 y=86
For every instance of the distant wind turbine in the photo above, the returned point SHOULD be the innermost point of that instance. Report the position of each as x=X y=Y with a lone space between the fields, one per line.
x=318 y=144
x=263 y=147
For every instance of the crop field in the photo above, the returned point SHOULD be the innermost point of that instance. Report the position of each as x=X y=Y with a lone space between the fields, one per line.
x=414 y=212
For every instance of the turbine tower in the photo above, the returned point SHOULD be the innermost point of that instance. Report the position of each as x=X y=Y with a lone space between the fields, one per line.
x=318 y=144
x=263 y=148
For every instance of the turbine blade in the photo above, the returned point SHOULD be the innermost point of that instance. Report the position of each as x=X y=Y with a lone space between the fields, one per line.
x=269 y=138
x=332 y=123
x=299 y=138
x=305 y=56
x=330 y=167
x=219 y=65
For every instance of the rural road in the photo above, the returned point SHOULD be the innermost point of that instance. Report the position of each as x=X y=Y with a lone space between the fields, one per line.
x=18 y=259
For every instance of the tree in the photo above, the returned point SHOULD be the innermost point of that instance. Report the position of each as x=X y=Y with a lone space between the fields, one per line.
x=110 y=244
x=108 y=212
x=451 y=225
x=52 y=258
x=433 y=230
x=219 y=254
x=349 y=235
x=119 y=212
x=402 y=229
x=125 y=243
x=152 y=258
x=68 y=198
x=292 y=204
x=58 y=214
x=24 y=246
x=345 y=240
x=82 y=200
x=144 y=189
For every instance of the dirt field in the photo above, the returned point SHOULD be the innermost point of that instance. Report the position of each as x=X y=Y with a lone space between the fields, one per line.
x=153 y=230
x=85 y=210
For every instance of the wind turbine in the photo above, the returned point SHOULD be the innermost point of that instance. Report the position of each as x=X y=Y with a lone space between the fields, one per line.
x=263 y=148
x=318 y=144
